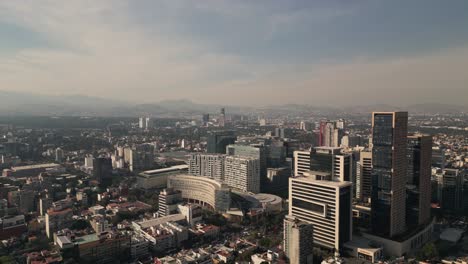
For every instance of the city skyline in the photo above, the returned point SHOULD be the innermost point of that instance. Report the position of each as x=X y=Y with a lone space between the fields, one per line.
x=261 y=53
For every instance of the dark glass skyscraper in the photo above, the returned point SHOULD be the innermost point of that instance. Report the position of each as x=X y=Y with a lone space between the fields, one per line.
x=389 y=168
x=418 y=182
x=218 y=140
x=102 y=168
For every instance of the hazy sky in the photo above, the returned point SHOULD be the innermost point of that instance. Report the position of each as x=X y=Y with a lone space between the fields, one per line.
x=238 y=51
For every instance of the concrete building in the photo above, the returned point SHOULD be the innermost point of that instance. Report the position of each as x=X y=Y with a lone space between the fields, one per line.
x=306 y=126
x=12 y=226
x=324 y=204
x=192 y=212
x=450 y=184
x=280 y=132
x=301 y=162
x=25 y=200
x=59 y=155
x=88 y=162
x=418 y=183
x=139 y=157
x=389 y=169
x=325 y=159
x=202 y=190
x=242 y=173
x=104 y=247
x=44 y=204
x=145 y=123
x=364 y=176
x=208 y=165
x=56 y=220
x=330 y=133
x=163 y=233
x=99 y=223
x=169 y=199
x=31 y=170
x=298 y=241
x=158 y=178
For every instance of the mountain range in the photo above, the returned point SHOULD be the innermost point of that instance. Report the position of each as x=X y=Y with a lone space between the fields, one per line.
x=25 y=104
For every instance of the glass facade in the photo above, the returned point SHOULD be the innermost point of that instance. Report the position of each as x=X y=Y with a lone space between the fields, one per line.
x=382 y=155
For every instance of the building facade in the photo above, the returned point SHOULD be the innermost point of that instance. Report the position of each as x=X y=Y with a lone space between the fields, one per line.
x=298 y=244
x=242 y=173
x=202 y=190
x=208 y=165
x=389 y=169
x=418 y=183
x=326 y=205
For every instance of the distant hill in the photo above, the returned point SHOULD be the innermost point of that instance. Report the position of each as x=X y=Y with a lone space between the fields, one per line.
x=15 y=103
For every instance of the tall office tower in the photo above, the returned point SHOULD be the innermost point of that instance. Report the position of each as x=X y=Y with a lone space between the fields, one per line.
x=355 y=140
x=205 y=119
x=418 y=183
x=139 y=157
x=242 y=173
x=44 y=204
x=102 y=168
x=389 y=168
x=438 y=157
x=364 y=177
x=324 y=159
x=256 y=151
x=298 y=244
x=148 y=123
x=218 y=140
x=59 y=155
x=324 y=204
x=222 y=118
x=331 y=132
x=340 y=124
x=168 y=201
x=450 y=184
x=208 y=165
x=275 y=151
x=301 y=162
x=88 y=163
x=306 y=126
x=279 y=132
x=145 y=123
x=465 y=195
x=144 y=158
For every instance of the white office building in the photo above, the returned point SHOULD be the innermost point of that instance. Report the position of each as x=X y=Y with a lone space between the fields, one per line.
x=326 y=205
x=242 y=173
x=208 y=165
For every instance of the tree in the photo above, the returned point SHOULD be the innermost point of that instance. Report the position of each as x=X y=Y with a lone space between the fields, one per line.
x=80 y=224
x=6 y=260
x=428 y=252
x=265 y=242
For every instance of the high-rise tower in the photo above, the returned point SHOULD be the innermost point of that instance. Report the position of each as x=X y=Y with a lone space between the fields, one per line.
x=389 y=169
x=418 y=183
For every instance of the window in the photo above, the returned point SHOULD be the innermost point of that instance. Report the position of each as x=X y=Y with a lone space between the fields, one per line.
x=317 y=208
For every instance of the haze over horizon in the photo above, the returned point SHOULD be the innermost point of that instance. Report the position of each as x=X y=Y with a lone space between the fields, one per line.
x=238 y=52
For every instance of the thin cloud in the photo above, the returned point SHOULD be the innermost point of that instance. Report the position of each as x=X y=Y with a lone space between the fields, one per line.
x=101 y=49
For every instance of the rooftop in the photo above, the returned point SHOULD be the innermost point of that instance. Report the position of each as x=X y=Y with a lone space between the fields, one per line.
x=36 y=166
x=149 y=173
x=160 y=220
